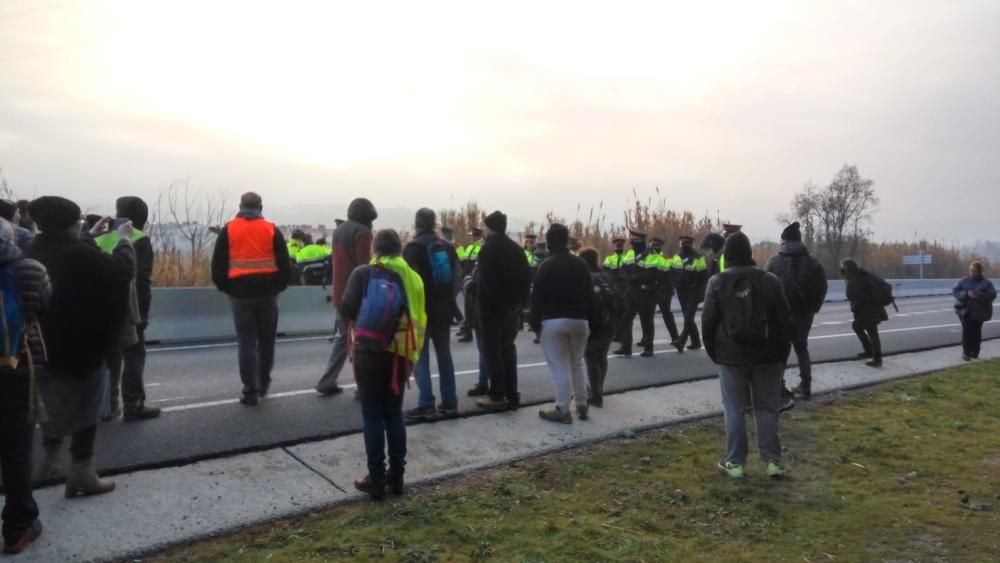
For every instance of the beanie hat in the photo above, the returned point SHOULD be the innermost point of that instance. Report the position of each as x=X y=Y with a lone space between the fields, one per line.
x=496 y=221
x=714 y=241
x=738 y=251
x=557 y=235
x=54 y=213
x=792 y=233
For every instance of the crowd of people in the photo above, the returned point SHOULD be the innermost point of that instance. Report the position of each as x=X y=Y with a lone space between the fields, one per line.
x=75 y=294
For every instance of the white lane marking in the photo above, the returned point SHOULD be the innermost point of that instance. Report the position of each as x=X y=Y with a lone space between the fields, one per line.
x=536 y=364
x=171 y=399
x=152 y=385
x=297 y=392
x=231 y=344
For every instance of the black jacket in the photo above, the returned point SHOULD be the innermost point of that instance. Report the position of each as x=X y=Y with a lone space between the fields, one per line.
x=256 y=285
x=440 y=299
x=503 y=279
x=562 y=290
x=863 y=304
x=793 y=265
x=718 y=343
x=90 y=293
x=136 y=210
x=979 y=309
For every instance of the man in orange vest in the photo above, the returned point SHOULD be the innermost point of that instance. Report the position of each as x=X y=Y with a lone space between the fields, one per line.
x=250 y=265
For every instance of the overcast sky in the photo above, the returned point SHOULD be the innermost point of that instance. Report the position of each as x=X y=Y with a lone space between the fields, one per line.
x=522 y=106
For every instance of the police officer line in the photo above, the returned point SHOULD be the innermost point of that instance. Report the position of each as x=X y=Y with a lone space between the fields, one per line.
x=191 y=315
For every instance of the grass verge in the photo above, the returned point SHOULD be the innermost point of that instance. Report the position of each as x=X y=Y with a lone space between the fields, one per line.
x=907 y=471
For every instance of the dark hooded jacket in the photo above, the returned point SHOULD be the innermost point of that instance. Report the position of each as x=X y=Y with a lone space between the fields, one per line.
x=90 y=293
x=859 y=288
x=352 y=244
x=802 y=277
x=440 y=298
x=135 y=209
x=34 y=291
x=503 y=279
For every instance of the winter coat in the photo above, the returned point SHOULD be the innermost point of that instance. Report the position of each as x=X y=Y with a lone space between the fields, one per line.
x=979 y=309
x=440 y=298
x=859 y=288
x=136 y=210
x=254 y=285
x=688 y=279
x=503 y=279
x=352 y=245
x=794 y=264
x=721 y=348
x=34 y=292
x=89 y=303
x=563 y=289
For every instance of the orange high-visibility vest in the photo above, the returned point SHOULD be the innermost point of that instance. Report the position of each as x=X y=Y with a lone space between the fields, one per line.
x=251 y=247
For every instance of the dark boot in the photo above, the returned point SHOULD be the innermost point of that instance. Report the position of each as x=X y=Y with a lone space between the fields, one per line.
x=623 y=351
x=396 y=481
x=141 y=412
x=371 y=487
x=82 y=480
x=647 y=352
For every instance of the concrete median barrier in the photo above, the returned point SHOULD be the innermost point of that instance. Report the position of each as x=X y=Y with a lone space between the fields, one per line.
x=199 y=314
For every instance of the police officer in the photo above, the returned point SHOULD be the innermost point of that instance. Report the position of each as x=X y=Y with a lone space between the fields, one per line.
x=541 y=250
x=640 y=274
x=612 y=266
x=690 y=274
x=665 y=288
x=312 y=261
x=530 y=242
x=712 y=245
x=467 y=259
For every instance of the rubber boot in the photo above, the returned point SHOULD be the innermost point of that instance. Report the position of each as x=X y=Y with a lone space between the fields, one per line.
x=51 y=467
x=82 y=480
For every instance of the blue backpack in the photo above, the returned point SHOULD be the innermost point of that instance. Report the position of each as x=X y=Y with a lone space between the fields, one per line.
x=11 y=315
x=382 y=306
x=437 y=256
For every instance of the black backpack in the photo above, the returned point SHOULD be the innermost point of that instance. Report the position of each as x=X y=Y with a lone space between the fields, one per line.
x=881 y=291
x=605 y=305
x=796 y=280
x=744 y=311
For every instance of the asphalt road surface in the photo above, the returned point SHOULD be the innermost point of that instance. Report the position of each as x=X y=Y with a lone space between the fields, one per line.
x=198 y=386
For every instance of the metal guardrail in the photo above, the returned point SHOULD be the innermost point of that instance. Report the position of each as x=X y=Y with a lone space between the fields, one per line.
x=201 y=314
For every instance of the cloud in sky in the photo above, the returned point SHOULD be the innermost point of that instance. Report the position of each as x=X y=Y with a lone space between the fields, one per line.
x=525 y=106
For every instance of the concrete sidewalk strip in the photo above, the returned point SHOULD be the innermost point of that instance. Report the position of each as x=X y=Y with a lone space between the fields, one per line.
x=157 y=508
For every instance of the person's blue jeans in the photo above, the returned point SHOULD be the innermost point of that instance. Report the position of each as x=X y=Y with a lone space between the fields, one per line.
x=381 y=411
x=440 y=334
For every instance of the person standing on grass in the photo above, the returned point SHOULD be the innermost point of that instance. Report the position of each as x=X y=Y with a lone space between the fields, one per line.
x=605 y=315
x=974 y=296
x=383 y=303
x=560 y=308
x=352 y=247
x=804 y=282
x=250 y=264
x=434 y=258
x=860 y=287
x=503 y=285
x=746 y=333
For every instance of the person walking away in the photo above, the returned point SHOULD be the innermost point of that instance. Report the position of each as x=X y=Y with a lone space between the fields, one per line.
x=384 y=304
x=560 y=305
x=613 y=267
x=605 y=312
x=689 y=273
x=503 y=285
x=865 y=291
x=804 y=282
x=746 y=329
x=127 y=363
x=974 y=296
x=90 y=293
x=250 y=264
x=435 y=260
x=10 y=212
x=25 y=292
x=352 y=247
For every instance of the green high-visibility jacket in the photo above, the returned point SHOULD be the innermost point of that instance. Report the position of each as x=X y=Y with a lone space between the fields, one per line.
x=109 y=240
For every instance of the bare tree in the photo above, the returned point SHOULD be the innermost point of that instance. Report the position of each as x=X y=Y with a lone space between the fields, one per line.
x=836 y=217
x=6 y=192
x=192 y=213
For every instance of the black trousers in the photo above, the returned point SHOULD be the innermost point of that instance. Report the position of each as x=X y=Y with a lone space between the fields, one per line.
x=800 y=342
x=643 y=304
x=972 y=337
x=256 y=320
x=16 y=433
x=127 y=367
x=596 y=357
x=689 y=307
x=497 y=334
x=868 y=335
x=664 y=301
